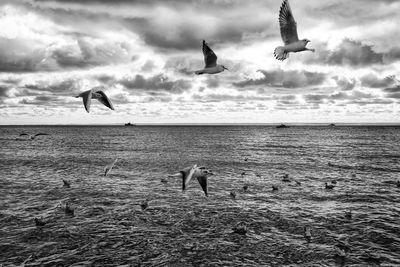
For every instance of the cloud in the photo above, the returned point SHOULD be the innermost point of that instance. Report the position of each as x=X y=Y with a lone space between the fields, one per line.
x=345 y=83
x=155 y=83
x=286 y=79
x=64 y=87
x=373 y=81
x=91 y=52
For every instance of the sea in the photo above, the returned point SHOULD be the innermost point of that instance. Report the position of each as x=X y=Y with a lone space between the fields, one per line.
x=110 y=228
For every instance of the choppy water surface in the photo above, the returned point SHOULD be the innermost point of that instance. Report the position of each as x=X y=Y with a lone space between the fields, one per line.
x=188 y=229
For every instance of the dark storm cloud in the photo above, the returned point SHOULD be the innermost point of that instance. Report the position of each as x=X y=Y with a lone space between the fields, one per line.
x=373 y=81
x=353 y=53
x=157 y=82
x=286 y=79
x=393 y=95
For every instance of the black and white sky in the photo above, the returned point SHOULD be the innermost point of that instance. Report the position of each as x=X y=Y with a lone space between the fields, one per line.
x=144 y=52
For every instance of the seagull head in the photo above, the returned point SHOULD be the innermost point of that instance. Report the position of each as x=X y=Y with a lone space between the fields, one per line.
x=205 y=171
x=306 y=41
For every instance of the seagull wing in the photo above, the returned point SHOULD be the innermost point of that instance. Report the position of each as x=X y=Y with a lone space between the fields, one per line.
x=210 y=58
x=41 y=134
x=87 y=99
x=105 y=100
x=203 y=183
x=187 y=176
x=287 y=24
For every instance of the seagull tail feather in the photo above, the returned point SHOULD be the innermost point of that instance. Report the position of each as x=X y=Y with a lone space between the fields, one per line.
x=280 y=53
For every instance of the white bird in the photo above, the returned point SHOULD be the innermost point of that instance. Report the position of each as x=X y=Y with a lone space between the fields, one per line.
x=210 y=60
x=29 y=136
x=108 y=168
x=201 y=173
x=95 y=93
x=289 y=34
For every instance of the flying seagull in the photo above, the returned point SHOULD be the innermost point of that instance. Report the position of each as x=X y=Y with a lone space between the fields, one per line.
x=289 y=34
x=95 y=93
x=210 y=60
x=201 y=173
x=108 y=168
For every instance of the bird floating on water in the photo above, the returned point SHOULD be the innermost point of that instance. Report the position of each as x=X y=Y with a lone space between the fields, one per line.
x=348 y=215
x=29 y=136
x=200 y=173
x=108 y=168
x=333 y=182
x=329 y=186
x=232 y=194
x=68 y=210
x=288 y=28
x=307 y=234
x=286 y=178
x=95 y=93
x=275 y=188
x=240 y=229
x=245 y=188
x=66 y=183
x=210 y=60
x=144 y=204
x=39 y=222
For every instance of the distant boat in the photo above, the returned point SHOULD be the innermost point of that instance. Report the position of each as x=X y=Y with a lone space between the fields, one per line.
x=332 y=125
x=282 y=126
x=129 y=124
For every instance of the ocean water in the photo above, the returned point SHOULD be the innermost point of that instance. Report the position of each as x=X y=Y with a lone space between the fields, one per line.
x=188 y=229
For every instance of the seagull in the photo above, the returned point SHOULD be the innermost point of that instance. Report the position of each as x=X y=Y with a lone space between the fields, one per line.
x=108 y=168
x=95 y=93
x=66 y=184
x=39 y=222
x=210 y=60
x=68 y=210
x=29 y=136
x=289 y=34
x=240 y=229
x=144 y=204
x=329 y=186
x=348 y=215
x=286 y=178
x=307 y=234
x=201 y=173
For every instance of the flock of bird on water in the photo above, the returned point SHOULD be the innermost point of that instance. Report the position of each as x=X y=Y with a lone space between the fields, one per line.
x=288 y=29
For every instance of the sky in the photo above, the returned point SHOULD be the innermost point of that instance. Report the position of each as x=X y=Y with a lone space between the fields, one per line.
x=143 y=53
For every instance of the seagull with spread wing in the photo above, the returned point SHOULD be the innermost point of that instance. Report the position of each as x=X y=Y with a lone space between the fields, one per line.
x=201 y=173
x=289 y=34
x=210 y=60
x=95 y=93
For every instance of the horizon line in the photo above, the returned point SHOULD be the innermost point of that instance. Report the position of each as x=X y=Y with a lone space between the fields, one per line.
x=221 y=124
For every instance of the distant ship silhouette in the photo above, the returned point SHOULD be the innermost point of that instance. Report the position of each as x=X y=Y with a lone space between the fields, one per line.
x=332 y=125
x=129 y=124
x=282 y=126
